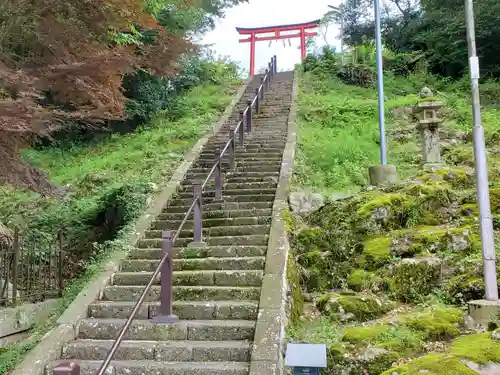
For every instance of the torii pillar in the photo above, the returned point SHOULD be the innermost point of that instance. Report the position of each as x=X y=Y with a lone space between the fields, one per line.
x=277 y=33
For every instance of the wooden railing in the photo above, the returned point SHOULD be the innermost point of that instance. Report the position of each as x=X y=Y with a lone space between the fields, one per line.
x=164 y=268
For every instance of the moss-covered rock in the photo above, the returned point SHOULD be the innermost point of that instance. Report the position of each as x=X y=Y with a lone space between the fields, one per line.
x=361 y=307
x=437 y=323
x=384 y=211
x=376 y=253
x=465 y=287
x=466 y=352
x=432 y=364
x=459 y=155
x=479 y=348
x=411 y=279
x=361 y=280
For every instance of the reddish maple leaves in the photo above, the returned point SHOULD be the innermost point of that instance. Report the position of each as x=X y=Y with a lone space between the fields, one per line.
x=57 y=63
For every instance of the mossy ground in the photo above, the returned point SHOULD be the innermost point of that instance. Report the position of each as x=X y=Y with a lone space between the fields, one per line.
x=391 y=269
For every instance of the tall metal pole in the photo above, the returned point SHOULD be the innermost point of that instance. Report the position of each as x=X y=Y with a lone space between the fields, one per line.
x=483 y=196
x=380 y=84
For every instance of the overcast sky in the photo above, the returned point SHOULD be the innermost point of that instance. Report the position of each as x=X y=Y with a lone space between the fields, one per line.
x=258 y=13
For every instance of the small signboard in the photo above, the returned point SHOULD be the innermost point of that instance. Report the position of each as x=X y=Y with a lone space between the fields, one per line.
x=306 y=359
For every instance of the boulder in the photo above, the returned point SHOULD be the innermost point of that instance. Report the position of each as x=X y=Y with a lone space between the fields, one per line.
x=303 y=203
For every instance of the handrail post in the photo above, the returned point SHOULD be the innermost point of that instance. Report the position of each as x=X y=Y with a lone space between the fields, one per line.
x=275 y=65
x=257 y=101
x=17 y=250
x=271 y=70
x=218 y=175
x=197 y=213
x=267 y=79
x=60 y=261
x=166 y=315
x=263 y=86
x=66 y=368
x=241 y=129
x=249 y=116
x=231 y=149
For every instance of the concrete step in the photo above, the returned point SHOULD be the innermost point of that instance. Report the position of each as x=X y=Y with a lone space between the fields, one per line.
x=253 y=157
x=229 y=206
x=216 y=231
x=187 y=278
x=239 y=163
x=166 y=351
x=196 y=330
x=182 y=293
x=205 y=252
x=192 y=310
x=196 y=264
x=209 y=216
x=251 y=198
x=256 y=168
x=242 y=152
x=226 y=192
x=231 y=186
x=248 y=240
x=162 y=368
x=210 y=223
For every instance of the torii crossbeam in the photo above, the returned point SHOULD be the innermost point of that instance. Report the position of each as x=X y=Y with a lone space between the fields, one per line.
x=277 y=33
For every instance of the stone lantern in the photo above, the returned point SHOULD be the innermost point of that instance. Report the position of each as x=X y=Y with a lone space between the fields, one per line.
x=426 y=111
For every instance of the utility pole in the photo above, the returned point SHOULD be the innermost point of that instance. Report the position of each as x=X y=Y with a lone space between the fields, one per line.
x=380 y=84
x=483 y=196
x=384 y=173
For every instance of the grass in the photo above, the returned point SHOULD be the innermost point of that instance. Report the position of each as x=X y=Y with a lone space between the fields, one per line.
x=140 y=162
x=338 y=141
x=339 y=133
x=147 y=157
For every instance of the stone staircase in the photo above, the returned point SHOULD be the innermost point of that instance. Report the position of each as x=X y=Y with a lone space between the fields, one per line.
x=216 y=288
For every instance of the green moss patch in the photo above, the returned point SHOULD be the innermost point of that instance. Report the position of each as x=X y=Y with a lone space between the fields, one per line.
x=480 y=348
x=437 y=323
x=376 y=253
x=432 y=364
x=362 y=307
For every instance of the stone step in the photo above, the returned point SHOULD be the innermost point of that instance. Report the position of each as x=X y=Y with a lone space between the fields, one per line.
x=266 y=168
x=190 y=278
x=219 y=215
x=247 y=198
x=243 y=153
x=249 y=148
x=205 y=252
x=215 y=231
x=163 y=351
x=195 y=330
x=192 y=310
x=230 y=206
x=250 y=144
x=162 y=368
x=196 y=264
x=239 y=163
x=182 y=293
x=226 y=192
x=254 y=157
x=249 y=240
x=210 y=223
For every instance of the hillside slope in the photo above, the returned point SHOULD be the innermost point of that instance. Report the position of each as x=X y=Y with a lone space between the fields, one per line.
x=387 y=272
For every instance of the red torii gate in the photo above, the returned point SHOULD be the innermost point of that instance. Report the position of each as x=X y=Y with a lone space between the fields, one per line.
x=300 y=27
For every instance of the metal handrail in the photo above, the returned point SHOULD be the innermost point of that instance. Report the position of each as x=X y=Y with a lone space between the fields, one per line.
x=168 y=243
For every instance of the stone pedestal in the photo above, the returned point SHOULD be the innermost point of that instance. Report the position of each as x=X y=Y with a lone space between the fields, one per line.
x=429 y=127
x=382 y=174
x=484 y=312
